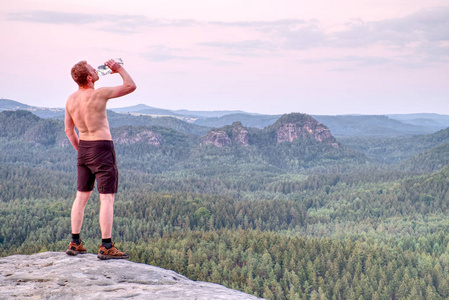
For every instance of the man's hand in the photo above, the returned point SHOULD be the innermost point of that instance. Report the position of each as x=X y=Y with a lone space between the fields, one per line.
x=113 y=65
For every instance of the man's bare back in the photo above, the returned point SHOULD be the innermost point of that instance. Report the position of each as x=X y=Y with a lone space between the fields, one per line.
x=86 y=108
x=88 y=112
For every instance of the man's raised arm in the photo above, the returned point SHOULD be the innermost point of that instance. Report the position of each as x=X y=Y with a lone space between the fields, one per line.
x=126 y=88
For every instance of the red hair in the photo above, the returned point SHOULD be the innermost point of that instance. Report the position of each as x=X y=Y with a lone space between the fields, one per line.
x=80 y=72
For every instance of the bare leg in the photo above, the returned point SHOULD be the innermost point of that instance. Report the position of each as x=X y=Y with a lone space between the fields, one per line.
x=106 y=215
x=78 y=210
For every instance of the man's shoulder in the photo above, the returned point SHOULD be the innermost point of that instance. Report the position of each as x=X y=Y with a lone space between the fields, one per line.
x=70 y=99
x=102 y=90
x=72 y=95
x=81 y=95
x=76 y=94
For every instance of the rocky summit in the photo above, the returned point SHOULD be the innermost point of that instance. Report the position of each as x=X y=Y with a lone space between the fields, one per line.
x=231 y=134
x=55 y=275
x=301 y=126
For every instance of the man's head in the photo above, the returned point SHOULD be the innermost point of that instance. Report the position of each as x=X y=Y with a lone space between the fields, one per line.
x=82 y=73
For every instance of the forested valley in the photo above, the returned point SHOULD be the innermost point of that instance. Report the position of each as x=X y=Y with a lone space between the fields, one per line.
x=357 y=218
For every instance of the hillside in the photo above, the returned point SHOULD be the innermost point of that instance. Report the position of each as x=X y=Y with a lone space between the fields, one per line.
x=294 y=143
x=430 y=160
x=288 y=211
x=394 y=150
x=30 y=128
x=277 y=236
x=184 y=146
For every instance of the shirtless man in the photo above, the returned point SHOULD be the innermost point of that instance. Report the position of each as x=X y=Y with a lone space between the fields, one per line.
x=86 y=109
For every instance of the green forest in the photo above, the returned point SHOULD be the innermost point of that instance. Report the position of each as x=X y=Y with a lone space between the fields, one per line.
x=300 y=220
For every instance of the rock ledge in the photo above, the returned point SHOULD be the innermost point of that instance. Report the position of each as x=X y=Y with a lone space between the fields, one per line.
x=55 y=275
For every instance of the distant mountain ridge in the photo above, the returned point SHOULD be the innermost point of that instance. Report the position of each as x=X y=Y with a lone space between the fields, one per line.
x=423 y=119
x=6 y=104
x=341 y=125
x=144 y=109
x=374 y=126
x=393 y=125
x=42 y=112
x=256 y=121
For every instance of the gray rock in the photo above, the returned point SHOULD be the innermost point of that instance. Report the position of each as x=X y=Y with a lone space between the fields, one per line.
x=55 y=275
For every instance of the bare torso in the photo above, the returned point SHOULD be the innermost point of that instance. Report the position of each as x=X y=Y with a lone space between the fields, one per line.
x=87 y=108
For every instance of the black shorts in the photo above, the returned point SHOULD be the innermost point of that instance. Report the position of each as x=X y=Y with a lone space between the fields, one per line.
x=97 y=160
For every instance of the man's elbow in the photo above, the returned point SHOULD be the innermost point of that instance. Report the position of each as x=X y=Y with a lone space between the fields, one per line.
x=69 y=131
x=124 y=90
x=132 y=88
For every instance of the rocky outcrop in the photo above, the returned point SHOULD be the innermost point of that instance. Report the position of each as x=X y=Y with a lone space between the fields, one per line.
x=132 y=135
x=239 y=134
x=218 y=138
x=300 y=126
x=55 y=275
x=288 y=128
x=233 y=134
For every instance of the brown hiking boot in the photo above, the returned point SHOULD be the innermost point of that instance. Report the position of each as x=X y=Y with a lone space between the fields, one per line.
x=111 y=253
x=74 y=249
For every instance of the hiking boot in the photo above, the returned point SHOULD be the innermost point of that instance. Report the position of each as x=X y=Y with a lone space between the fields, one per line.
x=75 y=249
x=111 y=253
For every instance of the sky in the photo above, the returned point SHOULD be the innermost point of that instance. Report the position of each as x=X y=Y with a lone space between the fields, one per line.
x=325 y=57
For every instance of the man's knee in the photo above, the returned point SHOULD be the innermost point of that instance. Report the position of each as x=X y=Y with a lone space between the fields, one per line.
x=83 y=196
x=107 y=198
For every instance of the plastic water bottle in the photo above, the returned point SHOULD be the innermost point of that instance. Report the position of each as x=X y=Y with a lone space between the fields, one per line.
x=104 y=70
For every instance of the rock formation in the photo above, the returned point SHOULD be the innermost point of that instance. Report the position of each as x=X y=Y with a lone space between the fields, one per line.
x=288 y=128
x=132 y=135
x=218 y=138
x=301 y=126
x=55 y=275
x=227 y=135
x=239 y=134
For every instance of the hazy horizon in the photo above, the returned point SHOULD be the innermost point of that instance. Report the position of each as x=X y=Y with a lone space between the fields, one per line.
x=242 y=111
